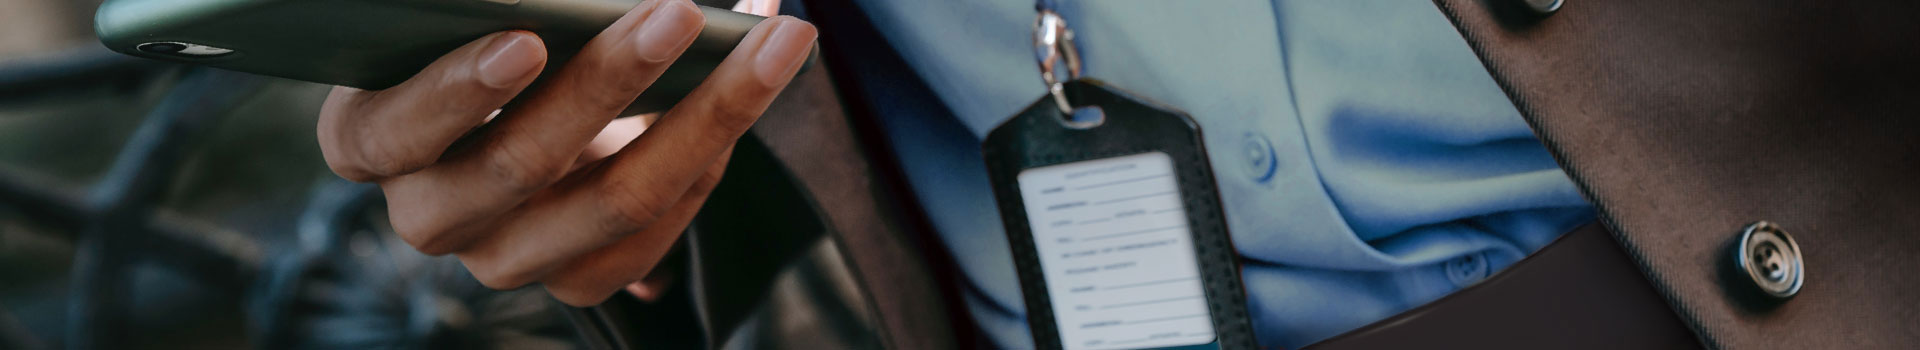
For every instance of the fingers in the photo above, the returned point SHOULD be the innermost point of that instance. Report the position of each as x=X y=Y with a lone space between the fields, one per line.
x=535 y=142
x=709 y=120
x=372 y=135
x=643 y=185
x=593 y=277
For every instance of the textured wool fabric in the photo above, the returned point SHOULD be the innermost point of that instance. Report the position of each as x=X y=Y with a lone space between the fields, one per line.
x=1687 y=120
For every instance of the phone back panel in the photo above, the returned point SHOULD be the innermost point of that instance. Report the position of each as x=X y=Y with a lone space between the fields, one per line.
x=375 y=44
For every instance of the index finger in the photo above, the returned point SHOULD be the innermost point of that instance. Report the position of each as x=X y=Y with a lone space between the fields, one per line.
x=372 y=135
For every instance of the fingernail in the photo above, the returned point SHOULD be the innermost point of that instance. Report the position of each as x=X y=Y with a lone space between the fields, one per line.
x=667 y=29
x=508 y=59
x=783 y=51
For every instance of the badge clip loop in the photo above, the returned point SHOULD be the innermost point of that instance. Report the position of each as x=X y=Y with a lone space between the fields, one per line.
x=1053 y=46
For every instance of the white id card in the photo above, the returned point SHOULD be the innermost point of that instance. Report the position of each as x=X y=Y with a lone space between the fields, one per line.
x=1116 y=253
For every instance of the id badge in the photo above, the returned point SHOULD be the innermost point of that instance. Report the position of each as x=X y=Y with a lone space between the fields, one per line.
x=1116 y=228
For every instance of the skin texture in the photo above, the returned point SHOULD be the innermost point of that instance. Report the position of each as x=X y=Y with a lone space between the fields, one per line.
x=552 y=189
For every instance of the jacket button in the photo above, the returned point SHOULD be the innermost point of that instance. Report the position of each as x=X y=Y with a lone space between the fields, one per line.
x=1466 y=270
x=1770 y=260
x=1543 y=7
x=1261 y=162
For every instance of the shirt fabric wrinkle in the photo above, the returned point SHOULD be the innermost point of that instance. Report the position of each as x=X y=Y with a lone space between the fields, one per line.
x=1394 y=156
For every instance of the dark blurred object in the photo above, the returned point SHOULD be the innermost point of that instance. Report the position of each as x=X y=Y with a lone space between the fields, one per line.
x=1684 y=121
x=777 y=281
x=113 y=218
x=350 y=283
x=1579 y=292
x=85 y=67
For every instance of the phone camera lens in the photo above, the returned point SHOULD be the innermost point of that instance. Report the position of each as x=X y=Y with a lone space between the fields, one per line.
x=182 y=50
x=163 y=47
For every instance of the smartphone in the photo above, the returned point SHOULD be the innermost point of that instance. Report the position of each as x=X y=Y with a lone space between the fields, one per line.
x=376 y=44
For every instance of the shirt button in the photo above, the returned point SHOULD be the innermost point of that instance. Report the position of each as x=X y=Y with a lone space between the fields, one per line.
x=1261 y=162
x=1769 y=260
x=1466 y=270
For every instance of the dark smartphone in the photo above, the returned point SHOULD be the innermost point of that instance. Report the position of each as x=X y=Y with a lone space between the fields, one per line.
x=375 y=44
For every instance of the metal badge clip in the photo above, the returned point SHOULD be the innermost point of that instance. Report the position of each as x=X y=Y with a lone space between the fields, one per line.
x=1053 y=45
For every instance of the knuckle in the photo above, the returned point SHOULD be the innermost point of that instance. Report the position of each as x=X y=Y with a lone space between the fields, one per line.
x=635 y=202
x=710 y=179
x=730 y=120
x=578 y=296
x=736 y=116
x=608 y=83
x=429 y=236
x=360 y=153
x=496 y=277
x=463 y=111
x=386 y=159
x=636 y=74
x=335 y=149
x=613 y=78
x=346 y=171
x=519 y=168
x=339 y=100
x=602 y=101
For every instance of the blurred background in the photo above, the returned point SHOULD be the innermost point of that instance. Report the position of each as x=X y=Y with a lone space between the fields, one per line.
x=157 y=205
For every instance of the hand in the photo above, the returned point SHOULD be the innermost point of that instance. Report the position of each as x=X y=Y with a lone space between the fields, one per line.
x=555 y=190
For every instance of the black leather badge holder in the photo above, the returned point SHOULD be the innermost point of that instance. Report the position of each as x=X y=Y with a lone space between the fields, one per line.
x=1115 y=225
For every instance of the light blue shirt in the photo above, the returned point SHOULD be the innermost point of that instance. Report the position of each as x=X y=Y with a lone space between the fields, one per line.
x=1367 y=161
